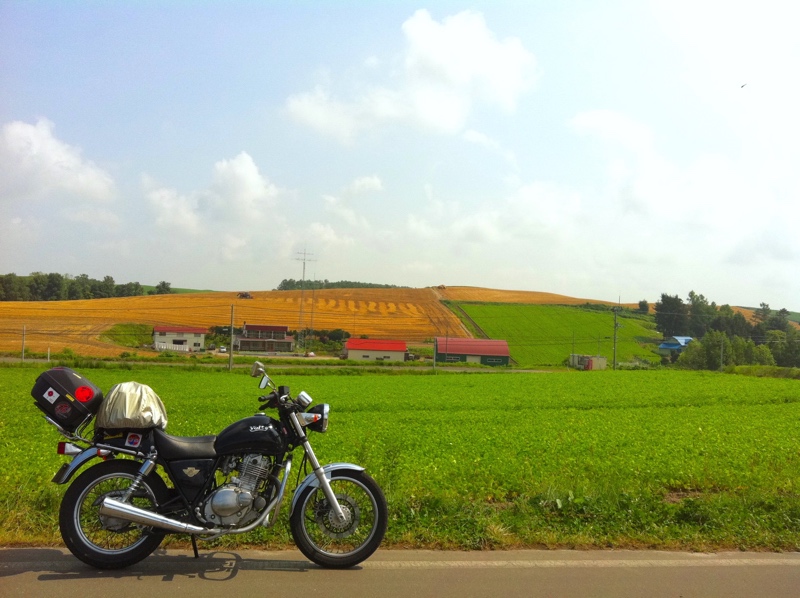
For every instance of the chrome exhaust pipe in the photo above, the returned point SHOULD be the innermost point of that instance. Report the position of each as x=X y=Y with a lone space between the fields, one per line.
x=122 y=510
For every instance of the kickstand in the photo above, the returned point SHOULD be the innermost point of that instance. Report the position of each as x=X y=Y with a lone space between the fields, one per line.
x=194 y=547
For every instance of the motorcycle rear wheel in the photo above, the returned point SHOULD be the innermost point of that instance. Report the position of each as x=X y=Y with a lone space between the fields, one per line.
x=107 y=542
x=331 y=544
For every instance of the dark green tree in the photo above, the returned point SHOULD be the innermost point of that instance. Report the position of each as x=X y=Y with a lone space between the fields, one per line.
x=162 y=288
x=701 y=314
x=672 y=316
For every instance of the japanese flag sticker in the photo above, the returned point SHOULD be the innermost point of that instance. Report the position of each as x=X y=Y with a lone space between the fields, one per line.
x=51 y=395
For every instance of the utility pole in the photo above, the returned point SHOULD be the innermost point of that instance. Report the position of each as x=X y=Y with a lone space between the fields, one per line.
x=616 y=311
x=303 y=259
x=313 y=304
x=230 y=348
x=23 y=342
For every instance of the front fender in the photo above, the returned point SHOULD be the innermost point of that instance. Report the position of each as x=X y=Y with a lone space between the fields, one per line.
x=67 y=470
x=311 y=481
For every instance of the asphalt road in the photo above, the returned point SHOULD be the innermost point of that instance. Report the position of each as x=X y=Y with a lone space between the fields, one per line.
x=409 y=573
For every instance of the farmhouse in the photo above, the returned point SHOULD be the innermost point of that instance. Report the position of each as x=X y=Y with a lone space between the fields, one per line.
x=264 y=339
x=178 y=338
x=587 y=362
x=471 y=350
x=674 y=344
x=366 y=349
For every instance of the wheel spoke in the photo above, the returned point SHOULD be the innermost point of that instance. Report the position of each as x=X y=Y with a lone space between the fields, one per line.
x=108 y=533
x=330 y=536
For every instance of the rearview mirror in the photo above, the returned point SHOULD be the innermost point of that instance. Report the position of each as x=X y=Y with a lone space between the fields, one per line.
x=257 y=370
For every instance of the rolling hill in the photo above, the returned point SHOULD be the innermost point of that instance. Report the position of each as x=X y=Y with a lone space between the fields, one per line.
x=409 y=314
x=539 y=327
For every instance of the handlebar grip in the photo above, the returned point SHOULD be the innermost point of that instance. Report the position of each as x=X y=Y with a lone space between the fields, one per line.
x=270 y=400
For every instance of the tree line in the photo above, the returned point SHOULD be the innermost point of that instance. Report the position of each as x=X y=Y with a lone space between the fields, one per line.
x=53 y=286
x=723 y=336
x=290 y=284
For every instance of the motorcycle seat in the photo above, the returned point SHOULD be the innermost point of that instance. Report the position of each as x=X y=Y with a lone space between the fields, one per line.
x=175 y=448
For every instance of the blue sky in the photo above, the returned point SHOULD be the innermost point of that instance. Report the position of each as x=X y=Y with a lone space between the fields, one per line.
x=596 y=149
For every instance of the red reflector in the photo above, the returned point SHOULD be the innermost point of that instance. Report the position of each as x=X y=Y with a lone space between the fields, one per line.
x=62 y=448
x=84 y=393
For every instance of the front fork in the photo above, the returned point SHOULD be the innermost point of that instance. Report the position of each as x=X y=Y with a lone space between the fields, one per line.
x=340 y=517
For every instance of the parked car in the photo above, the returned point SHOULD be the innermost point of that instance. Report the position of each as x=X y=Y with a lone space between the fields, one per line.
x=223 y=350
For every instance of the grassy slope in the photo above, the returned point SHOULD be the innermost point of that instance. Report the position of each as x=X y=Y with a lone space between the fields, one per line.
x=547 y=334
x=658 y=459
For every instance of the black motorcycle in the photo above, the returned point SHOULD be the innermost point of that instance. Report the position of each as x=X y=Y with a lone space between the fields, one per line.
x=116 y=512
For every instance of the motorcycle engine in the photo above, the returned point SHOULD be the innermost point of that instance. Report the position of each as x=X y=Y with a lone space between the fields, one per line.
x=237 y=502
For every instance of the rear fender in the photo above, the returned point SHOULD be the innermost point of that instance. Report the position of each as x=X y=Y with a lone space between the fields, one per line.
x=67 y=470
x=312 y=481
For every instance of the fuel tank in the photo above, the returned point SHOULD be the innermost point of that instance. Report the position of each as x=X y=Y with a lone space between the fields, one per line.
x=257 y=434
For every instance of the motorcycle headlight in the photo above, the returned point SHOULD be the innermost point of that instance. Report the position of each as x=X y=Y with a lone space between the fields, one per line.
x=320 y=413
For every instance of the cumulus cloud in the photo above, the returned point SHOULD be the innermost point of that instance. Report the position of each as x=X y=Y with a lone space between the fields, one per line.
x=238 y=190
x=462 y=56
x=236 y=204
x=172 y=210
x=448 y=68
x=35 y=164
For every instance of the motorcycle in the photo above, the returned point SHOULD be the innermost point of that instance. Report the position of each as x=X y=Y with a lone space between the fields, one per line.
x=117 y=512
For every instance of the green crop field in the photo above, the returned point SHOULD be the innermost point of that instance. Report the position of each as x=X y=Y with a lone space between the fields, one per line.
x=548 y=334
x=647 y=459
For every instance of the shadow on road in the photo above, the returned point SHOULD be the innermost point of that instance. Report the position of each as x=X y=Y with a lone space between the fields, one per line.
x=55 y=565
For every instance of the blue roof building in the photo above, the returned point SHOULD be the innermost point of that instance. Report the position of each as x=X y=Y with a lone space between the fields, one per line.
x=674 y=343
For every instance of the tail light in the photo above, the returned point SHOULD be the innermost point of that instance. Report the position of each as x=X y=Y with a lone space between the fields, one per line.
x=84 y=394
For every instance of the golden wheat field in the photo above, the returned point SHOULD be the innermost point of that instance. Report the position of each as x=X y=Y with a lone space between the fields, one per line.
x=405 y=314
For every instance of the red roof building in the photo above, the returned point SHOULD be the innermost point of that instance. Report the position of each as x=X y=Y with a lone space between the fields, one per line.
x=472 y=350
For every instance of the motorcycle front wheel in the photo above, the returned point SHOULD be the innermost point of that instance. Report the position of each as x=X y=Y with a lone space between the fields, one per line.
x=107 y=542
x=333 y=544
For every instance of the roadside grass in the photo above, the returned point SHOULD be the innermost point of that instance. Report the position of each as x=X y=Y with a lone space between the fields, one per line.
x=645 y=459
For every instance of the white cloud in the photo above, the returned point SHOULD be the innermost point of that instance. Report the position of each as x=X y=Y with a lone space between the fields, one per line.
x=365 y=184
x=326 y=236
x=449 y=67
x=462 y=56
x=614 y=126
x=337 y=206
x=236 y=205
x=330 y=117
x=35 y=164
x=341 y=205
x=478 y=138
x=238 y=191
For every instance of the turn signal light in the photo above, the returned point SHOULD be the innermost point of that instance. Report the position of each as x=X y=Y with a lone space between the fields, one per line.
x=67 y=448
